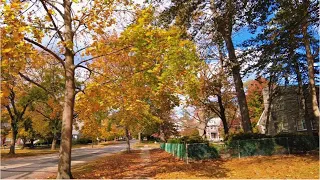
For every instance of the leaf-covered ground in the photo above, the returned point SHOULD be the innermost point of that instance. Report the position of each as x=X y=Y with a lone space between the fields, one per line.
x=159 y=164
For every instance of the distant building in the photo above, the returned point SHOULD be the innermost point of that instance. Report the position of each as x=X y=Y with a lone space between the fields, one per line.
x=286 y=114
x=76 y=129
x=212 y=129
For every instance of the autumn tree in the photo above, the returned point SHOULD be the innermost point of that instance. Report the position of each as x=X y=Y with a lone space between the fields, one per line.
x=142 y=81
x=221 y=19
x=26 y=131
x=255 y=98
x=283 y=50
x=66 y=23
x=17 y=102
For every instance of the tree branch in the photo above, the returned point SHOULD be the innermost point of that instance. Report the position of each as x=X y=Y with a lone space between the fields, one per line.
x=10 y=113
x=52 y=20
x=12 y=97
x=90 y=59
x=56 y=8
x=42 y=114
x=45 y=49
x=24 y=109
x=33 y=82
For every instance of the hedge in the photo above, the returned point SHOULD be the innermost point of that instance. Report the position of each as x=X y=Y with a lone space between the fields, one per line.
x=259 y=144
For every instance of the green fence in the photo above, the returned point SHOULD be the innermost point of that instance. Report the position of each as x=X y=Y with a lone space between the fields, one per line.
x=187 y=152
x=177 y=150
x=270 y=146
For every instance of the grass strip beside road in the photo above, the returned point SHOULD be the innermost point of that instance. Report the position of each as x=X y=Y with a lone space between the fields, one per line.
x=149 y=144
x=164 y=166
x=26 y=152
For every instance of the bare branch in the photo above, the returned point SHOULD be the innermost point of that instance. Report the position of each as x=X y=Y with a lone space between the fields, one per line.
x=81 y=49
x=79 y=90
x=55 y=7
x=90 y=59
x=42 y=114
x=45 y=49
x=33 y=82
x=50 y=16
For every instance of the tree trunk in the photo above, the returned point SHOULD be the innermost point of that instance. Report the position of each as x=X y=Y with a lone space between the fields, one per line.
x=24 y=140
x=162 y=135
x=64 y=166
x=312 y=87
x=13 y=142
x=246 y=123
x=92 y=141
x=302 y=96
x=222 y=114
x=269 y=100
x=127 y=139
x=220 y=101
x=139 y=137
x=31 y=143
x=53 y=144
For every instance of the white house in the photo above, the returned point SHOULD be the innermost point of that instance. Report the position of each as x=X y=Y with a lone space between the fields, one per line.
x=212 y=129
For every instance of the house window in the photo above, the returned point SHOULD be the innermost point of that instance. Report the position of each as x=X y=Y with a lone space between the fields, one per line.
x=284 y=126
x=301 y=125
x=314 y=124
x=213 y=135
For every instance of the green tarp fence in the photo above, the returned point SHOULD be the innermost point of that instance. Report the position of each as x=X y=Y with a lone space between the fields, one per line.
x=271 y=146
x=177 y=150
x=194 y=151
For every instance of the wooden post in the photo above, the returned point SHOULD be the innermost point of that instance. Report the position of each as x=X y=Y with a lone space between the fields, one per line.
x=187 y=153
x=288 y=146
x=239 y=150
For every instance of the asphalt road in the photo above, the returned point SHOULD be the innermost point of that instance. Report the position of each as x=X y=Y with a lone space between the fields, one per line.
x=46 y=165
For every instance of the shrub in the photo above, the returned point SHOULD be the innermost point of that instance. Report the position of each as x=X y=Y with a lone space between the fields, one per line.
x=250 y=144
x=82 y=141
x=297 y=142
x=246 y=136
x=41 y=142
x=202 y=151
x=188 y=139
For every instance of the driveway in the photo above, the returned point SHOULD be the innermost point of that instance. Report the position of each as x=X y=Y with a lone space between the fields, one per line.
x=47 y=165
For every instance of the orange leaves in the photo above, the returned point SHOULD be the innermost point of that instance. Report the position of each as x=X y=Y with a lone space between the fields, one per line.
x=4 y=93
x=14 y=50
x=139 y=74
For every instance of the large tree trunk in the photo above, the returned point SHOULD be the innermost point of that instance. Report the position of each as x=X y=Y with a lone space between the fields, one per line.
x=64 y=166
x=13 y=141
x=220 y=101
x=246 y=123
x=128 y=139
x=312 y=87
x=301 y=96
